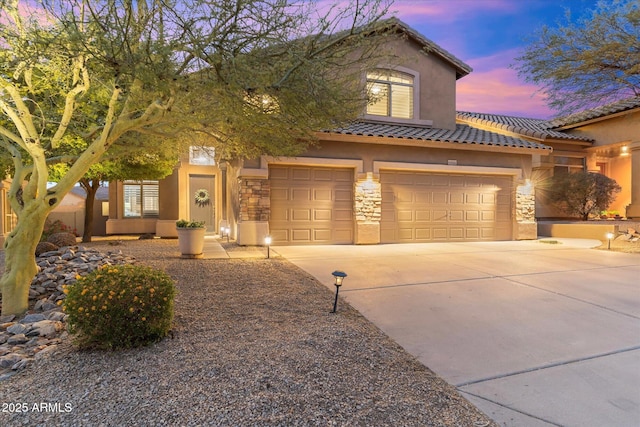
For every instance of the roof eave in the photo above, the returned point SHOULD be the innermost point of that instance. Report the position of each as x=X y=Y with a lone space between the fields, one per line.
x=426 y=143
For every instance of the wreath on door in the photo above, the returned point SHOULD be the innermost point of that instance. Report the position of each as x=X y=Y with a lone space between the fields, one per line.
x=202 y=197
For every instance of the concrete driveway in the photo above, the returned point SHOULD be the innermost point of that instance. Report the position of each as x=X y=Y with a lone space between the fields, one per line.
x=533 y=334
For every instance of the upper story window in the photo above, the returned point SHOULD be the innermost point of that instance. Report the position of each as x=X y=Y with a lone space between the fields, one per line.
x=141 y=199
x=390 y=94
x=204 y=156
x=565 y=164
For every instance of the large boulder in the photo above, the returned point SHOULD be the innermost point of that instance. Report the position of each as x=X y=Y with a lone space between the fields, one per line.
x=45 y=247
x=62 y=239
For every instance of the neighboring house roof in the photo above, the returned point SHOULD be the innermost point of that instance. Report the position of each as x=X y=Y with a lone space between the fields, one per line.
x=596 y=113
x=462 y=69
x=101 y=194
x=462 y=134
x=534 y=128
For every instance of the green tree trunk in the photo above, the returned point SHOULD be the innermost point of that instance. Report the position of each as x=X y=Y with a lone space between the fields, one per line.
x=20 y=262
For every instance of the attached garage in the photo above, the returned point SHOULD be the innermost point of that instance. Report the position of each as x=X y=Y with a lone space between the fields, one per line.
x=427 y=207
x=311 y=205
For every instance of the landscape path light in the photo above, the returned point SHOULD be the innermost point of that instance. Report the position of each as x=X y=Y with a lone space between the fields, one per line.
x=339 y=277
x=267 y=241
x=610 y=236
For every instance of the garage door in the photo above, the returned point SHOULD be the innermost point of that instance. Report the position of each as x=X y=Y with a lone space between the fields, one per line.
x=426 y=207
x=311 y=205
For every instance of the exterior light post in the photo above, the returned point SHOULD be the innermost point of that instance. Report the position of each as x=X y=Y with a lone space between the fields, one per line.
x=227 y=231
x=339 y=277
x=267 y=241
x=609 y=237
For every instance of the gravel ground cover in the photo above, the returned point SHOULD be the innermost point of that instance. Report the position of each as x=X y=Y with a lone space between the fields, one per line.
x=253 y=344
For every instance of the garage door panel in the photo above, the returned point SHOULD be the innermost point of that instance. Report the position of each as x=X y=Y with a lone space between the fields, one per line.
x=311 y=205
x=301 y=235
x=422 y=197
x=322 y=195
x=322 y=214
x=472 y=216
x=300 y=174
x=440 y=197
x=404 y=216
x=301 y=195
x=279 y=194
x=343 y=215
x=423 y=215
x=422 y=234
x=444 y=207
x=300 y=214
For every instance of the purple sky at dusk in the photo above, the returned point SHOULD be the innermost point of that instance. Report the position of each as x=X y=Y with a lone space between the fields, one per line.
x=488 y=35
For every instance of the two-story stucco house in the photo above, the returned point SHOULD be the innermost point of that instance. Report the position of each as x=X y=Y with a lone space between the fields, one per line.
x=407 y=172
x=411 y=170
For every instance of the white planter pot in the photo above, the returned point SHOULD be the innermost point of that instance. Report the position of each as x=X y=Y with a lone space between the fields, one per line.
x=191 y=241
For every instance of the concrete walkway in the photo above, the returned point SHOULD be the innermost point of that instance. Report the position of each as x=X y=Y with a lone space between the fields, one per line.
x=533 y=334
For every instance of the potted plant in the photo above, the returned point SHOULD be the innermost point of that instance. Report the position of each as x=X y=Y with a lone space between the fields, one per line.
x=190 y=238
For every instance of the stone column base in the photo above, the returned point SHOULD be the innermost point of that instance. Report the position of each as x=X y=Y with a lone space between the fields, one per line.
x=633 y=211
x=526 y=231
x=252 y=233
x=367 y=233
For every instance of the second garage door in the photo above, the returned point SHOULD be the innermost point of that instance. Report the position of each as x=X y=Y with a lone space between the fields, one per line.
x=311 y=205
x=426 y=207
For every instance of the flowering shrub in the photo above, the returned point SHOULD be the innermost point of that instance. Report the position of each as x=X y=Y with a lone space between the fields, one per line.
x=53 y=227
x=120 y=306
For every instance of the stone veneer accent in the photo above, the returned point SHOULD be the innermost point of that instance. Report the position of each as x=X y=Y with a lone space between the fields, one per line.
x=368 y=209
x=255 y=203
x=368 y=200
x=526 y=227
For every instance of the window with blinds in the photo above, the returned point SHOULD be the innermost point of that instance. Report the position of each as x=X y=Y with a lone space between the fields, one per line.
x=390 y=94
x=141 y=199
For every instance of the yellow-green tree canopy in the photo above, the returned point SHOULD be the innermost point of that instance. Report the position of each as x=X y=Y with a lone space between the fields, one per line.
x=249 y=77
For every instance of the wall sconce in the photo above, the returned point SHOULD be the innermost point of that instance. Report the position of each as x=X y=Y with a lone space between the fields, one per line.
x=339 y=277
x=609 y=237
x=267 y=241
x=624 y=150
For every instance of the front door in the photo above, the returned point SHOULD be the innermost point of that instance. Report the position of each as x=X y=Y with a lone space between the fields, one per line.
x=202 y=200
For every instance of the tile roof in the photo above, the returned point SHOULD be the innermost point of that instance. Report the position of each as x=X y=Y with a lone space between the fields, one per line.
x=462 y=69
x=534 y=128
x=462 y=134
x=595 y=113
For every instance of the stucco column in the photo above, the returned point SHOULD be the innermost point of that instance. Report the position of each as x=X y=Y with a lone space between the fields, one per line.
x=592 y=162
x=526 y=227
x=368 y=209
x=633 y=210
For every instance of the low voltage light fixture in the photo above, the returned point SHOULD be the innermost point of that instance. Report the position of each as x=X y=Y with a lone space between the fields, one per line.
x=609 y=237
x=267 y=241
x=339 y=277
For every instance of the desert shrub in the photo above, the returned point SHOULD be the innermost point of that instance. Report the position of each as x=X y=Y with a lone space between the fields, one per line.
x=120 y=307
x=53 y=227
x=43 y=247
x=582 y=193
x=62 y=239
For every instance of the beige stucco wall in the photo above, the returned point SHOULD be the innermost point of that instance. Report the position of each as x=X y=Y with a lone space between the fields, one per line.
x=437 y=82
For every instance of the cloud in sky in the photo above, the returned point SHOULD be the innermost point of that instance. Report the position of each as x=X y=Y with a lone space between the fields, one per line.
x=496 y=88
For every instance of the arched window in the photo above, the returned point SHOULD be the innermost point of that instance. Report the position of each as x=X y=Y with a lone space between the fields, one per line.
x=390 y=94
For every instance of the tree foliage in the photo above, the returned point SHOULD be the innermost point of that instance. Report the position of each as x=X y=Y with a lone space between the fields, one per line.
x=591 y=62
x=582 y=193
x=249 y=77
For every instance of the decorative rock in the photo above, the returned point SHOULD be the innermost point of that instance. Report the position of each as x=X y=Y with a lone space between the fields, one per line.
x=9 y=360
x=17 y=339
x=7 y=318
x=20 y=365
x=17 y=329
x=31 y=318
x=48 y=328
x=56 y=316
x=46 y=352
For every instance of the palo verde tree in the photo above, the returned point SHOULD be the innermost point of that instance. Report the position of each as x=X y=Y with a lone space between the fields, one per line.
x=252 y=76
x=594 y=61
